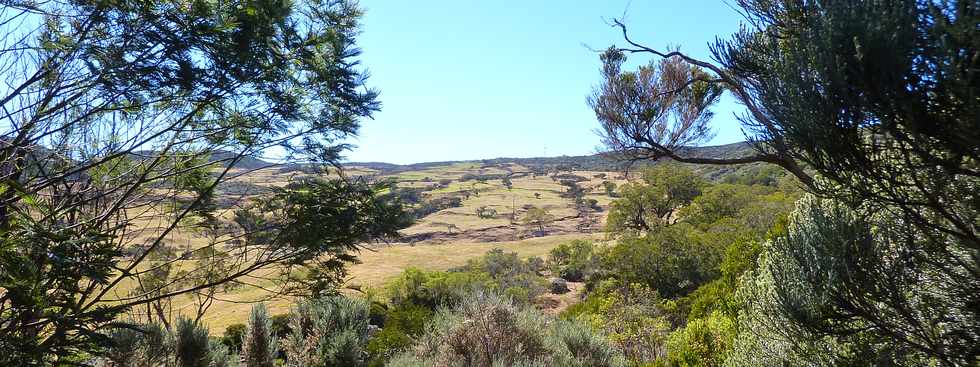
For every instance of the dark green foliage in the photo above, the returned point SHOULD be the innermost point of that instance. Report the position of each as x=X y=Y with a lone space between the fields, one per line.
x=408 y=195
x=233 y=336
x=634 y=318
x=321 y=221
x=510 y=275
x=695 y=265
x=653 y=203
x=756 y=174
x=558 y=286
x=191 y=344
x=144 y=344
x=573 y=261
x=41 y=272
x=434 y=289
x=668 y=260
x=702 y=342
x=280 y=325
x=433 y=205
x=403 y=324
x=188 y=345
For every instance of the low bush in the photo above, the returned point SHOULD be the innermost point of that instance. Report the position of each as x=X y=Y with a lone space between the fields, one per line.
x=327 y=332
x=490 y=330
x=559 y=286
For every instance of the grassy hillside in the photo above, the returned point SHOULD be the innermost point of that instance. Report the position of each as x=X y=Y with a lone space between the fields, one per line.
x=443 y=237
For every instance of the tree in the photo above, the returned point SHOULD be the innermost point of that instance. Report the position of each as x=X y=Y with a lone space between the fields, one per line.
x=573 y=261
x=670 y=260
x=507 y=183
x=539 y=217
x=122 y=120
x=653 y=203
x=610 y=188
x=878 y=100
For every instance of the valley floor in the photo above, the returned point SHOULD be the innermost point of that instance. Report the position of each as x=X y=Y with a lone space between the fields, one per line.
x=379 y=264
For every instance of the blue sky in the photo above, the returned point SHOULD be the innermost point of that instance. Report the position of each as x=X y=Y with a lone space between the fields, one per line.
x=485 y=79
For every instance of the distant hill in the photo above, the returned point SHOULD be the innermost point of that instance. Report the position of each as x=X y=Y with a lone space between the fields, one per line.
x=247 y=162
x=594 y=162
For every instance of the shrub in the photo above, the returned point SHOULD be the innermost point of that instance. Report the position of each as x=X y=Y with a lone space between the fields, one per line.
x=536 y=264
x=702 y=342
x=633 y=318
x=610 y=188
x=485 y=212
x=147 y=344
x=259 y=346
x=510 y=275
x=495 y=271
x=191 y=344
x=488 y=330
x=403 y=324
x=280 y=325
x=328 y=331
x=187 y=345
x=559 y=286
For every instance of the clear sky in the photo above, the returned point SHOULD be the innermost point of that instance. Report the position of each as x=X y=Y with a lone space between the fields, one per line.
x=485 y=79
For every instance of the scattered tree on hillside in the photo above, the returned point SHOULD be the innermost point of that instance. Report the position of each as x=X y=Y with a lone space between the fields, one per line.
x=485 y=212
x=610 y=188
x=538 y=217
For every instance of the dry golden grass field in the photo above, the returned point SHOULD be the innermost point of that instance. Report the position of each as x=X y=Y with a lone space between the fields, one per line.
x=429 y=243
